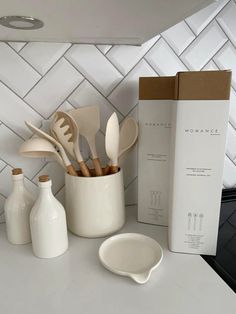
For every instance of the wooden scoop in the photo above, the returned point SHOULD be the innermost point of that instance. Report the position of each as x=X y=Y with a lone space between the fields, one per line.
x=43 y=134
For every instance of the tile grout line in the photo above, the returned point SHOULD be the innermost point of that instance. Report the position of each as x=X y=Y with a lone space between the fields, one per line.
x=3 y=168
x=74 y=89
x=124 y=75
x=214 y=18
x=151 y=66
x=32 y=67
x=18 y=135
x=222 y=29
x=214 y=55
x=176 y=54
x=143 y=58
x=24 y=101
x=132 y=181
x=26 y=43
x=97 y=90
x=59 y=190
x=41 y=78
x=35 y=175
x=11 y=166
x=110 y=62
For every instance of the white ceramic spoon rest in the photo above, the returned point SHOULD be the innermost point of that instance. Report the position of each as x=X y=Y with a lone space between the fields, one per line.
x=131 y=254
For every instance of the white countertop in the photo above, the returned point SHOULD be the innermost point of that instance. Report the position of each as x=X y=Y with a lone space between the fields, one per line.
x=77 y=283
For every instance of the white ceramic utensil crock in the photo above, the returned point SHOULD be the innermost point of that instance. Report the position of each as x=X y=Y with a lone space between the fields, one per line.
x=131 y=254
x=95 y=205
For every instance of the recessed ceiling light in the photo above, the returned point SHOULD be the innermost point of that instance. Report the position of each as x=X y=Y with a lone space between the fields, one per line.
x=21 y=22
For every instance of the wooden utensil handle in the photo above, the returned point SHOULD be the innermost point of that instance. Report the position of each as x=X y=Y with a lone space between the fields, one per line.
x=97 y=167
x=84 y=169
x=113 y=169
x=71 y=170
x=106 y=170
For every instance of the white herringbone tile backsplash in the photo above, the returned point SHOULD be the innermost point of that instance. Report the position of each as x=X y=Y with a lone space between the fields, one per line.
x=36 y=79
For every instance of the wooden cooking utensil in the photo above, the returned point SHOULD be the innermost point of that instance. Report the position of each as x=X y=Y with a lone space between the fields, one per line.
x=88 y=121
x=66 y=131
x=128 y=137
x=112 y=142
x=38 y=147
x=43 y=134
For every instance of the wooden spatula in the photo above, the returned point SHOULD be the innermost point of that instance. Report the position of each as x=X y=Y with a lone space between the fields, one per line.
x=88 y=121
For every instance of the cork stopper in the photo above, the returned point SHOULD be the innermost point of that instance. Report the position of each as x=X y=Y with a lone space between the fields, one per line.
x=16 y=171
x=44 y=178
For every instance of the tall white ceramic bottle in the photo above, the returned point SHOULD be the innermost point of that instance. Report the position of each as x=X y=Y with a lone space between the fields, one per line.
x=17 y=210
x=48 y=223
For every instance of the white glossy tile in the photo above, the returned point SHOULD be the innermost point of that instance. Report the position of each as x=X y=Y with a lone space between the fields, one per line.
x=179 y=36
x=229 y=178
x=60 y=196
x=14 y=112
x=104 y=48
x=201 y=19
x=226 y=59
x=210 y=66
x=164 y=60
x=87 y=95
x=227 y=20
x=126 y=57
x=131 y=193
x=2 y=165
x=204 y=47
x=231 y=143
x=56 y=174
x=125 y=96
x=54 y=88
x=16 y=45
x=66 y=106
x=2 y=202
x=129 y=164
x=15 y=72
x=42 y=56
x=95 y=67
x=6 y=183
x=9 y=147
x=232 y=108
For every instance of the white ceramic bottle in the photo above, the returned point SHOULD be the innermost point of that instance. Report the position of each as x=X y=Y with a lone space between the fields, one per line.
x=17 y=210
x=48 y=223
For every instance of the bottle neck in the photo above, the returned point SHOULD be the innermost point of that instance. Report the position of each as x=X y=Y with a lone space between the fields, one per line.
x=45 y=189
x=18 y=183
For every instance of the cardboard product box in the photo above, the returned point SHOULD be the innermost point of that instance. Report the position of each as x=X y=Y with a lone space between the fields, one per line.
x=199 y=125
x=155 y=99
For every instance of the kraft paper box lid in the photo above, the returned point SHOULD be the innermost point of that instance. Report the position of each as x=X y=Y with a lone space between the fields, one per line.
x=156 y=87
x=203 y=85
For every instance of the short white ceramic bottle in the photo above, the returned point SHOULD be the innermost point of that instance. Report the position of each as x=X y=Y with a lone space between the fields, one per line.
x=17 y=210
x=48 y=223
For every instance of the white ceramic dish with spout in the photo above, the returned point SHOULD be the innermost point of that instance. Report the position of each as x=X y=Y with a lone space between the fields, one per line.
x=95 y=205
x=131 y=254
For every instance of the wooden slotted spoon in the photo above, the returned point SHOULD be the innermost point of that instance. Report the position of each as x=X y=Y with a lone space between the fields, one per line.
x=67 y=132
